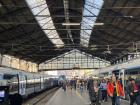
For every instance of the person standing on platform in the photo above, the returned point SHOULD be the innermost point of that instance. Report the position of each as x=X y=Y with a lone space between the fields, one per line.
x=115 y=90
x=71 y=84
x=64 y=84
x=103 y=88
x=75 y=83
x=94 y=97
x=89 y=84
x=133 y=91
x=81 y=86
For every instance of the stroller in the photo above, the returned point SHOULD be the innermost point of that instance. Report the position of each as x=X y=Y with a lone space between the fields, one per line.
x=94 y=98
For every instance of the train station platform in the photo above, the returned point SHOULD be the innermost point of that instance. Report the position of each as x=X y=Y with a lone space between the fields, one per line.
x=72 y=97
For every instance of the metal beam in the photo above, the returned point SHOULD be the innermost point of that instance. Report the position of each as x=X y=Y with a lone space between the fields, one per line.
x=40 y=70
x=125 y=30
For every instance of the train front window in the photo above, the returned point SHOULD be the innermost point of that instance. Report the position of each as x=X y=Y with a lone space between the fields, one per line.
x=8 y=76
x=12 y=81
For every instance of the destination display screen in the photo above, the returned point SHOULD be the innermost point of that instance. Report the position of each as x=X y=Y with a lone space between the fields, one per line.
x=2 y=95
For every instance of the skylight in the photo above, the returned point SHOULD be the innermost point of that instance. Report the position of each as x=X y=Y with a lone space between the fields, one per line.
x=91 y=8
x=39 y=7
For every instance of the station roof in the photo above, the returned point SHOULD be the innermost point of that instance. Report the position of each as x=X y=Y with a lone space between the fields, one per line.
x=38 y=30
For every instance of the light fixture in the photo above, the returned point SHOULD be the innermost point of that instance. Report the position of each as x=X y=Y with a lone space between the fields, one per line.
x=70 y=24
x=98 y=24
x=128 y=16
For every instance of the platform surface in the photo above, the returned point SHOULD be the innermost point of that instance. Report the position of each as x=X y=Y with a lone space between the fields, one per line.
x=72 y=97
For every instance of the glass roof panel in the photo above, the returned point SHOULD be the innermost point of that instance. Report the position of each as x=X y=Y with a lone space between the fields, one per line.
x=91 y=8
x=39 y=7
x=75 y=58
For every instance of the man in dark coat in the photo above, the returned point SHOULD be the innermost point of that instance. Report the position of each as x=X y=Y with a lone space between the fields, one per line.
x=89 y=87
x=90 y=84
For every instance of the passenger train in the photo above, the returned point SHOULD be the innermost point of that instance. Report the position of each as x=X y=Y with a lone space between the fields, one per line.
x=25 y=83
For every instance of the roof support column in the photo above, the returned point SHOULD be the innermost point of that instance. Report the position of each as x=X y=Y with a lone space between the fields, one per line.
x=1 y=57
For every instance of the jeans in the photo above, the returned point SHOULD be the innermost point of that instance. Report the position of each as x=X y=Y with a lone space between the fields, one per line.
x=104 y=95
x=115 y=100
x=81 y=88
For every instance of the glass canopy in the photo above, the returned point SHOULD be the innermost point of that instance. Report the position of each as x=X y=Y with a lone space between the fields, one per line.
x=91 y=10
x=41 y=12
x=74 y=59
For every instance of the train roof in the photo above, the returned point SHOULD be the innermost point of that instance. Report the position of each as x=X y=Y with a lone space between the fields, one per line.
x=13 y=71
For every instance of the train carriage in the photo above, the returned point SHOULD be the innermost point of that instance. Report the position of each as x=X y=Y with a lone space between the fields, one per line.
x=25 y=83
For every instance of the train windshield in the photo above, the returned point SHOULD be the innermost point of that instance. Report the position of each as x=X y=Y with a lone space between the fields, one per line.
x=8 y=76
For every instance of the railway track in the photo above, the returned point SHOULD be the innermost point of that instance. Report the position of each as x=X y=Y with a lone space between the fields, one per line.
x=42 y=98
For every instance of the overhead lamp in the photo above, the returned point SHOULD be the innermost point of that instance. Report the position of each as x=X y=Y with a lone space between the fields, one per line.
x=70 y=24
x=128 y=16
x=98 y=24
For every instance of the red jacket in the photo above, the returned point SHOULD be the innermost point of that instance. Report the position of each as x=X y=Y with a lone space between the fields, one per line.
x=119 y=89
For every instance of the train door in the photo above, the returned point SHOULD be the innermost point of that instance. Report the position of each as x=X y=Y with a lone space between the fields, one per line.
x=22 y=84
x=116 y=72
x=110 y=74
x=121 y=76
x=42 y=82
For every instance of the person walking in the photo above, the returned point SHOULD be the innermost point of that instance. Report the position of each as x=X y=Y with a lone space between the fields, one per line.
x=132 y=91
x=115 y=90
x=103 y=88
